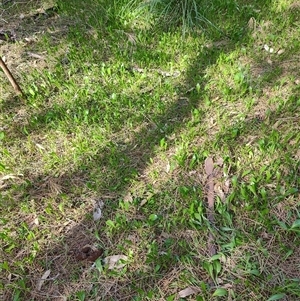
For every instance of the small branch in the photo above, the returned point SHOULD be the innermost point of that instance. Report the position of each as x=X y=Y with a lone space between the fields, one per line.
x=209 y=168
x=11 y=78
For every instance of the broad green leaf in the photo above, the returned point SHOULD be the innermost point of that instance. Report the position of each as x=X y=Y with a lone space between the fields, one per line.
x=31 y=91
x=246 y=172
x=153 y=217
x=2 y=167
x=254 y=272
x=292 y=191
x=220 y=292
x=99 y=266
x=171 y=298
x=215 y=257
x=234 y=181
x=296 y=224
x=217 y=266
x=110 y=223
x=282 y=225
x=198 y=216
x=276 y=297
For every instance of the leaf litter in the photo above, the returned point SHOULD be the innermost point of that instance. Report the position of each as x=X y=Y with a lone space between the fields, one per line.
x=191 y=290
x=97 y=212
x=115 y=262
x=42 y=280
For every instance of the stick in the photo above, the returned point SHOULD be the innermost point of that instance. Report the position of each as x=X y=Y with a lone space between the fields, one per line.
x=11 y=78
x=209 y=167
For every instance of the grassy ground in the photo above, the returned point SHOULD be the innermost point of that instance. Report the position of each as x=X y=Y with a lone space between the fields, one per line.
x=120 y=108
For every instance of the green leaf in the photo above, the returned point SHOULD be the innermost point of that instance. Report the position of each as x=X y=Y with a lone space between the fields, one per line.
x=292 y=191
x=252 y=188
x=2 y=167
x=234 y=181
x=246 y=172
x=217 y=266
x=215 y=257
x=153 y=217
x=209 y=268
x=17 y=295
x=157 y=268
x=110 y=223
x=220 y=292
x=282 y=225
x=171 y=298
x=296 y=224
x=276 y=297
x=31 y=91
x=99 y=266
x=254 y=272
x=198 y=216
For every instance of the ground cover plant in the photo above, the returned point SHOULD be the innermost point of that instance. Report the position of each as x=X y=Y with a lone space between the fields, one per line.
x=104 y=181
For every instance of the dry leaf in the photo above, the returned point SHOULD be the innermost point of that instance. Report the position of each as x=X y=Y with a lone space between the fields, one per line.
x=7 y=177
x=226 y=186
x=97 y=213
x=219 y=192
x=188 y=291
x=128 y=198
x=168 y=167
x=280 y=51
x=252 y=23
x=113 y=261
x=227 y=286
x=220 y=162
x=209 y=166
x=40 y=146
x=42 y=280
x=143 y=202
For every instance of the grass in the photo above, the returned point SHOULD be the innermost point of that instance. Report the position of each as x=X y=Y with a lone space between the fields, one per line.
x=124 y=110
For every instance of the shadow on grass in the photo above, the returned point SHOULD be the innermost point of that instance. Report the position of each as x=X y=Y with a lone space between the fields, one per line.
x=130 y=159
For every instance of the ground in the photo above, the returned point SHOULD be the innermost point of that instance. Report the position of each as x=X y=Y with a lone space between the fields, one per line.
x=120 y=113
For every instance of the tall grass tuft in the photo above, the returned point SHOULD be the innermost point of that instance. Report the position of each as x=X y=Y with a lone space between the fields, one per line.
x=189 y=14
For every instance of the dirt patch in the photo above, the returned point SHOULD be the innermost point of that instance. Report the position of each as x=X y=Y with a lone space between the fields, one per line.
x=23 y=25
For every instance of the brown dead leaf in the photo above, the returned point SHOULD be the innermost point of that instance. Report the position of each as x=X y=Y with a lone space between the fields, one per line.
x=143 y=202
x=128 y=198
x=226 y=186
x=113 y=261
x=188 y=291
x=42 y=280
x=209 y=166
x=219 y=191
x=220 y=162
x=227 y=286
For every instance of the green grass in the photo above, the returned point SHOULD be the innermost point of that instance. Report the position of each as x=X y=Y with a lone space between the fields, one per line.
x=125 y=109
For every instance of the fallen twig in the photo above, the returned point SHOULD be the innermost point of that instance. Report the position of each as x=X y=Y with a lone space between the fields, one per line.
x=209 y=168
x=11 y=78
